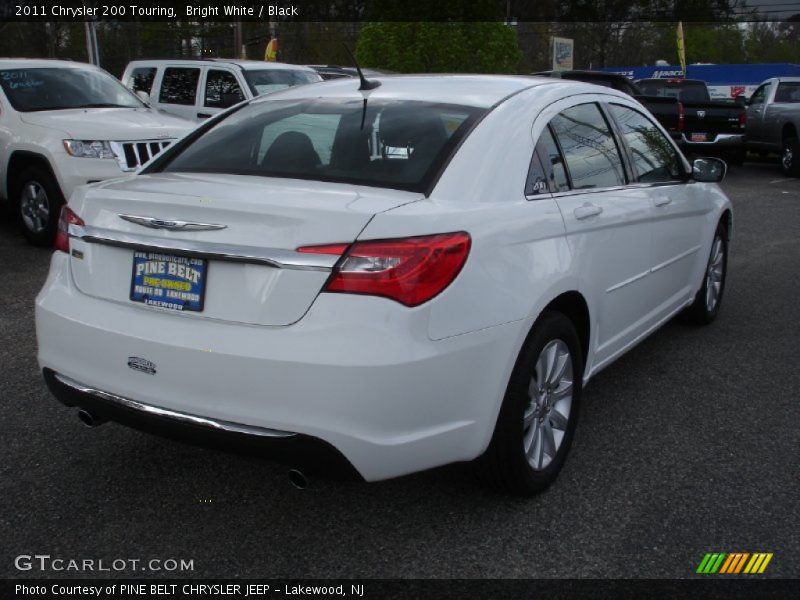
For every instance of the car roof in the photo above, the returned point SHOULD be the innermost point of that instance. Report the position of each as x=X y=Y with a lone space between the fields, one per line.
x=242 y=64
x=788 y=79
x=483 y=91
x=40 y=63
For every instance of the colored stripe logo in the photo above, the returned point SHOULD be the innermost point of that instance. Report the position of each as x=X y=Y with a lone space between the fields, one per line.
x=734 y=563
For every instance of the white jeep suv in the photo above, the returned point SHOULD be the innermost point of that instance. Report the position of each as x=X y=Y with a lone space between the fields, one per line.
x=65 y=124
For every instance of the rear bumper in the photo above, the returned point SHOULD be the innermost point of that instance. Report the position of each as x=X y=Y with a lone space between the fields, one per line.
x=301 y=451
x=723 y=141
x=357 y=373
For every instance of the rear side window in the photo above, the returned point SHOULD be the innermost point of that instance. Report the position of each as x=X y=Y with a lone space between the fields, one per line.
x=222 y=89
x=547 y=172
x=654 y=158
x=179 y=86
x=142 y=79
x=589 y=149
x=789 y=92
x=383 y=143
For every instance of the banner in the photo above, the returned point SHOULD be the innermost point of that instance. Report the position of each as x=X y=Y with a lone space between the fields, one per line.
x=563 y=54
x=271 y=53
x=681 y=48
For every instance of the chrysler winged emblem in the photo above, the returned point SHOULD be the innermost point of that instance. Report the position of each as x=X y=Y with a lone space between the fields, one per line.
x=154 y=223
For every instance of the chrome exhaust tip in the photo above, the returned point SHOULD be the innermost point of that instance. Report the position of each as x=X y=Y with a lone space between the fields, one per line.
x=89 y=419
x=297 y=479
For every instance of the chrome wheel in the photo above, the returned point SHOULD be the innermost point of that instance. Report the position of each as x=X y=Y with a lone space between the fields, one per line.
x=787 y=158
x=34 y=207
x=550 y=400
x=714 y=274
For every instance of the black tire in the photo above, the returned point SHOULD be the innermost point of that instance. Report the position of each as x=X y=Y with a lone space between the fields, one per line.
x=700 y=312
x=38 y=226
x=505 y=465
x=790 y=157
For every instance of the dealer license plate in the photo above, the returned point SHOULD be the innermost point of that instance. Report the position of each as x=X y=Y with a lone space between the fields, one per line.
x=168 y=281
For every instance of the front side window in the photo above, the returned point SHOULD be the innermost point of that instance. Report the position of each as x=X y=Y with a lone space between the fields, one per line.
x=590 y=152
x=179 y=86
x=788 y=92
x=264 y=81
x=222 y=89
x=759 y=95
x=654 y=158
x=385 y=143
x=142 y=79
x=63 y=88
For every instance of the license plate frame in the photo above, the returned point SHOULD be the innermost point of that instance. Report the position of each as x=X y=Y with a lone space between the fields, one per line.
x=179 y=288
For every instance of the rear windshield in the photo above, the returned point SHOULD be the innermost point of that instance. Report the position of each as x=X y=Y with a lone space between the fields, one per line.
x=63 y=88
x=685 y=91
x=271 y=80
x=381 y=143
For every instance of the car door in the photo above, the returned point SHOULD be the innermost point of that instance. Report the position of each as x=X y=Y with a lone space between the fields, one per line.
x=178 y=91
x=756 y=109
x=221 y=90
x=608 y=225
x=660 y=172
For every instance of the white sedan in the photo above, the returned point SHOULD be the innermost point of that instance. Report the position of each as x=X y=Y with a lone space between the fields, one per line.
x=384 y=280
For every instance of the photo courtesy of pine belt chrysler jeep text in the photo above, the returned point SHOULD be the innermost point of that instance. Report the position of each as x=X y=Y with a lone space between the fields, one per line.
x=383 y=277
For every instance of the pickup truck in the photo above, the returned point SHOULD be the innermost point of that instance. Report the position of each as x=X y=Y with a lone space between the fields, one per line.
x=773 y=121
x=64 y=124
x=667 y=111
x=715 y=127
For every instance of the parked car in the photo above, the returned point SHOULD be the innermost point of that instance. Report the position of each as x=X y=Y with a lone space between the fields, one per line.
x=667 y=110
x=65 y=124
x=710 y=126
x=773 y=121
x=337 y=72
x=432 y=280
x=198 y=89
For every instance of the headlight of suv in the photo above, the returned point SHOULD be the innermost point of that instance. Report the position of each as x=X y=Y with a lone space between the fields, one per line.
x=88 y=148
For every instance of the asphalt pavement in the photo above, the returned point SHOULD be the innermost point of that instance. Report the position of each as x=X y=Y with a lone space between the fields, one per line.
x=687 y=445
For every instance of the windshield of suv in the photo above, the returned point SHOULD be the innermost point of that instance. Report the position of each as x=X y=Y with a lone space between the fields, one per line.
x=398 y=144
x=264 y=81
x=61 y=88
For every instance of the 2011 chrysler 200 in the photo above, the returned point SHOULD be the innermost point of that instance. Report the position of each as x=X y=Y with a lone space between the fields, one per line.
x=384 y=279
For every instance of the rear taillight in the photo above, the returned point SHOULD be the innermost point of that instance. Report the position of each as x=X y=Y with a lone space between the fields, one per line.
x=66 y=219
x=681 y=117
x=742 y=120
x=409 y=270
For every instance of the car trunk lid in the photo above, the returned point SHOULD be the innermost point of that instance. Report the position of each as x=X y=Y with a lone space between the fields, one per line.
x=216 y=246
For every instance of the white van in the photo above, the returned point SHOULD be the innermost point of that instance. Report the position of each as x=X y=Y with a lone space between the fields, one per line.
x=197 y=89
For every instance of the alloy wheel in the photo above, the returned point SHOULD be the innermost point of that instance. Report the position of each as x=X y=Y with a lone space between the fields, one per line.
x=714 y=274
x=787 y=158
x=34 y=207
x=550 y=400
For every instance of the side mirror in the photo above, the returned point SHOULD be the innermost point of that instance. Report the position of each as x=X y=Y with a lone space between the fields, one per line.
x=709 y=170
x=143 y=96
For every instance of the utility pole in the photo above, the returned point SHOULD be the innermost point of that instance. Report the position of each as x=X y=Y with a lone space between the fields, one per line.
x=92 y=50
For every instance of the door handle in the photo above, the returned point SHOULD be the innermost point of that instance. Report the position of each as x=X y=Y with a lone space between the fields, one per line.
x=662 y=201
x=203 y=115
x=586 y=211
